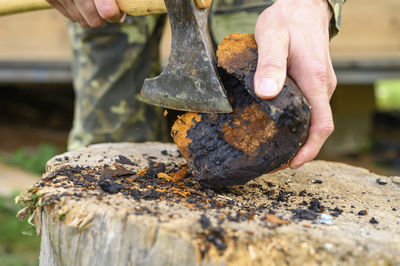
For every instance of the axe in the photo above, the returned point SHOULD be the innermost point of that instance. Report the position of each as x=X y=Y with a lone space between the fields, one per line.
x=190 y=81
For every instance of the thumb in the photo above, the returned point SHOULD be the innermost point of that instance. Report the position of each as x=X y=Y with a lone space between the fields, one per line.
x=273 y=46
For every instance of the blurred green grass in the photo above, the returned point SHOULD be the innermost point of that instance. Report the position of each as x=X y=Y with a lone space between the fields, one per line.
x=32 y=160
x=19 y=246
x=387 y=94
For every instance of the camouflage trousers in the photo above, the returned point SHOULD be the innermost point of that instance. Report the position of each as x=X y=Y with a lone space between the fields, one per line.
x=110 y=64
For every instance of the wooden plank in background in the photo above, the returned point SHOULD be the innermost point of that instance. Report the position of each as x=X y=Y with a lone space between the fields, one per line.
x=370 y=30
x=34 y=36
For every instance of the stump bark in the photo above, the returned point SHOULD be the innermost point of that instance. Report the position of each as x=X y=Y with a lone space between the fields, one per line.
x=257 y=137
x=135 y=204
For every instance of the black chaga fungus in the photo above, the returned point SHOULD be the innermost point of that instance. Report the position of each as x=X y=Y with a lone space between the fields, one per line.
x=123 y=160
x=363 y=212
x=304 y=214
x=317 y=181
x=257 y=137
x=108 y=185
x=373 y=221
x=380 y=182
x=151 y=194
x=204 y=221
x=316 y=206
x=215 y=237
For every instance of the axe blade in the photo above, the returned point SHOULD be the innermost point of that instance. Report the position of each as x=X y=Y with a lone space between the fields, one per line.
x=190 y=81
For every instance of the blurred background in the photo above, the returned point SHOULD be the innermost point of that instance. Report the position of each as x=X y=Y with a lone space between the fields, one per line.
x=36 y=103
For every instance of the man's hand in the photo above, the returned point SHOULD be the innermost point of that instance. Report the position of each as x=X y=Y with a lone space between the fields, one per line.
x=89 y=13
x=293 y=38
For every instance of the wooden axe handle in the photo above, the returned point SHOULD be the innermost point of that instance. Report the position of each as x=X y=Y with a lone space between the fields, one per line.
x=131 y=7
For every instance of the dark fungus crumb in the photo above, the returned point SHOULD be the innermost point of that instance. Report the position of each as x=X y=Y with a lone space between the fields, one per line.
x=210 y=193
x=204 y=221
x=216 y=238
x=373 y=221
x=303 y=193
x=317 y=181
x=363 y=212
x=123 y=160
x=336 y=211
x=151 y=194
x=270 y=184
x=316 y=206
x=108 y=185
x=304 y=214
x=380 y=182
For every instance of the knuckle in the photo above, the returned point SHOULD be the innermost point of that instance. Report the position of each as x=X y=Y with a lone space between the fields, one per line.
x=333 y=81
x=321 y=75
x=326 y=128
x=95 y=23
x=274 y=62
x=83 y=23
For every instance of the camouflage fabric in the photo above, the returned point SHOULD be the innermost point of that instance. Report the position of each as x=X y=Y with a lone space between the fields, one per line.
x=110 y=64
x=229 y=16
x=336 y=6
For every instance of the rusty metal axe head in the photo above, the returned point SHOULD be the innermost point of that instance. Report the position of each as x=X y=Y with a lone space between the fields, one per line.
x=190 y=81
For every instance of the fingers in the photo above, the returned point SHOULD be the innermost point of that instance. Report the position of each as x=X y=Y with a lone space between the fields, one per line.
x=321 y=127
x=317 y=82
x=294 y=34
x=273 y=46
x=74 y=12
x=89 y=13
x=61 y=9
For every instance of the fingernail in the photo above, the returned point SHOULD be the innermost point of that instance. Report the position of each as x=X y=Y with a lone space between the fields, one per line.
x=123 y=18
x=268 y=87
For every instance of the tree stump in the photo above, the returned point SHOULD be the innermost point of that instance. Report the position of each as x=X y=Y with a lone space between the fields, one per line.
x=136 y=204
x=257 y=137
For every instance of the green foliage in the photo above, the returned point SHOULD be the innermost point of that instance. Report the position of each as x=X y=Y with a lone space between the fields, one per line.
x=387 y=93
x=18 y=243
x=33 y=161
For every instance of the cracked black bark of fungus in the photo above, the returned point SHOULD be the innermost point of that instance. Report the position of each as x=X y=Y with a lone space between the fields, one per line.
x=258 y=137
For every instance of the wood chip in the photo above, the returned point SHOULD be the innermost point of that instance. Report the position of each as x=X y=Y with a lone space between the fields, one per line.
x=165 y=176
x=275 y=219
x=178 y=175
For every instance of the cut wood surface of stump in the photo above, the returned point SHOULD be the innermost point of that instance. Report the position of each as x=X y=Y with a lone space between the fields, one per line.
x=136 y=204
x=257 y=137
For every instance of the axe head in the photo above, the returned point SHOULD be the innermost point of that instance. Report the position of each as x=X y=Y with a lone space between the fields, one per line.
x=190 y=81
